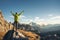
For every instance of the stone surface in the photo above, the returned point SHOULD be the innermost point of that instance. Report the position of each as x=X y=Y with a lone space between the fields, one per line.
x=5 y=27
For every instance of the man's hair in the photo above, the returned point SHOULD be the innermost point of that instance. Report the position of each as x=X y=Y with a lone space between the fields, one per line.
x=16 y=12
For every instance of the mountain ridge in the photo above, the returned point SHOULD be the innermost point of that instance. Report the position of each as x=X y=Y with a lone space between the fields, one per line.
x=5 y=27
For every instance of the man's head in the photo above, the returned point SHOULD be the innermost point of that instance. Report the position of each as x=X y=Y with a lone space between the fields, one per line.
x=16 y=12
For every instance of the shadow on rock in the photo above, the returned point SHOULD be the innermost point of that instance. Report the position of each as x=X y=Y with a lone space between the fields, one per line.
x=9 y=36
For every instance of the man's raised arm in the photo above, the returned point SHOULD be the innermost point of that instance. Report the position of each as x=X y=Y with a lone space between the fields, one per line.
x=21 y=13
x=12 y=13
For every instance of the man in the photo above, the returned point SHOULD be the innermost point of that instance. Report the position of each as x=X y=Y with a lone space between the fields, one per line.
x=16 y=17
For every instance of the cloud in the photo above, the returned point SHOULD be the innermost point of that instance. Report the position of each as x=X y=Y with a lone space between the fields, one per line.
x=25 y=19
x=56 y=17
x=23 y=16
x=54 y=20
x=40 y=21
x=36 y=19
x=12 y=16
x=51 y=20
x=50 y=15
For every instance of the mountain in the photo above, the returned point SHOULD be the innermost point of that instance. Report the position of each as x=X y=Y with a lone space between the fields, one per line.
x=7 y=31
x=35 y=27
x=51 y=27
x=45 y=28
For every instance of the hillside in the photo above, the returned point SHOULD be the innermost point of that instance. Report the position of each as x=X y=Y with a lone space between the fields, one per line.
x=5 y=27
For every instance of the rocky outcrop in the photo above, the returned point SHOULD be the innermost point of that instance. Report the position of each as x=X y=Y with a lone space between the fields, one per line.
x=5 y=27
x=30 y=35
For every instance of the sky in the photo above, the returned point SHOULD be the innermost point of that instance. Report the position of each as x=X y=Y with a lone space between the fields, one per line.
x=38 y=11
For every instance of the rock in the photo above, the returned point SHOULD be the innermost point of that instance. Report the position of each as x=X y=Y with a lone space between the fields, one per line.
x=30 y=35
x=6 y=28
